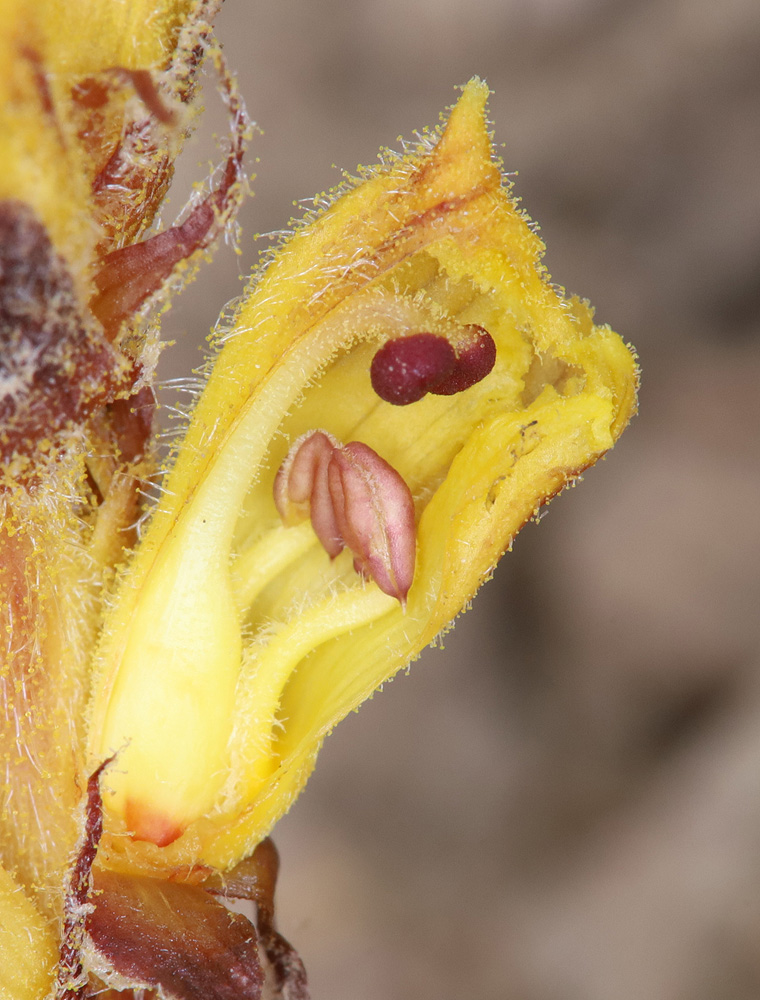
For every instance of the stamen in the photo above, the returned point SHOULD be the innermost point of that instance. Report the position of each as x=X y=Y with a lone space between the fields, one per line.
x=355 y=499
x=323 y=518
x=300 y=488
x=374 y=511
x=295 y=479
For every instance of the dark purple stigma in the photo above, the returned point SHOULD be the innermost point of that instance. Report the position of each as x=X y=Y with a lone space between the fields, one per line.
x=405 y=369
x=474 y=360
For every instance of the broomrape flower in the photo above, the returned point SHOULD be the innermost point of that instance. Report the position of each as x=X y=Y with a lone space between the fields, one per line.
x=393 y=397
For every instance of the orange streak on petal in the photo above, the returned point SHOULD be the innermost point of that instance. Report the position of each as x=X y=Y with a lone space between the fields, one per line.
x=147 y=824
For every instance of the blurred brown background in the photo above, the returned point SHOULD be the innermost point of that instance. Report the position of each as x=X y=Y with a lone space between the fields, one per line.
x=565 y=804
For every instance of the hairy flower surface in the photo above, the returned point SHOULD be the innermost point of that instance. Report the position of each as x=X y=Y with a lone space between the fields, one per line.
x=396 y=394
x=241 y=634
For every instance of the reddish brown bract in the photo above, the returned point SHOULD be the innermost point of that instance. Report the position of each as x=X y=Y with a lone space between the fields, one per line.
x=55 y=365
x=174 y=938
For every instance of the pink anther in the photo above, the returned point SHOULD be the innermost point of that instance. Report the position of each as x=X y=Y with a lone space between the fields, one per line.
x=375 y=516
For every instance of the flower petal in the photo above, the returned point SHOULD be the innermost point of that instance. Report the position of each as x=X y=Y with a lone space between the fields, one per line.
x=243 y=672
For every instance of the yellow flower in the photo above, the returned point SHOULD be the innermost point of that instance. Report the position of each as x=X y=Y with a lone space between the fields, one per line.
x=397 y=393
x=240 y=633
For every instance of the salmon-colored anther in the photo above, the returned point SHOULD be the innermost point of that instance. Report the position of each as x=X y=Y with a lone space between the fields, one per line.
x=374 y=511
x=300 y=487
x=355 y=499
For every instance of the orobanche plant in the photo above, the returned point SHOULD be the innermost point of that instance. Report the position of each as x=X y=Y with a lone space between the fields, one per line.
x=396 y=393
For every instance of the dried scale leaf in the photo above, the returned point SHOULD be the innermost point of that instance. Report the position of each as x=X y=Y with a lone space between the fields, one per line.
x=136 y=933
x=156 y=934
x=56 y=366
x=242 y=634
x=70 y=104
x=71 y=979
x=254 y=879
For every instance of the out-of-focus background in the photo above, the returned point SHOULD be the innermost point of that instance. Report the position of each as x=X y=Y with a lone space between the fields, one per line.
x=565 y=803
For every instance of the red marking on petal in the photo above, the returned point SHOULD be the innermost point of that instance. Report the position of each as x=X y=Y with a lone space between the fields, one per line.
x=375 y=515
x=407 y=368
x=147 y=824
x=90 y=93
x=149 y=94
x=475 y=358
x=40 y=73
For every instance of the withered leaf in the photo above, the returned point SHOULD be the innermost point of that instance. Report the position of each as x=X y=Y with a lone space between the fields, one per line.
x=174 y=937
x=55 y=365
x=255 y=878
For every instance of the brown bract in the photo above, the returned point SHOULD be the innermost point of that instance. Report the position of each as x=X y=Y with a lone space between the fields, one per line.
x=172 y=937
x=56 y=365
